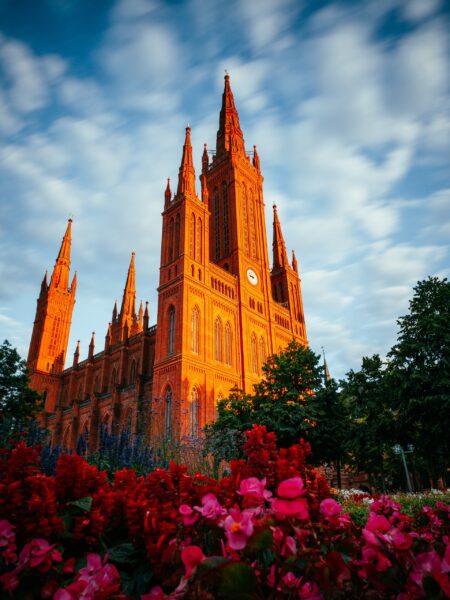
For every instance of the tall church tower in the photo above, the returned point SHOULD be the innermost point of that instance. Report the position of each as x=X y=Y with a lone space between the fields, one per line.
x=221 y=309
x=51 y=328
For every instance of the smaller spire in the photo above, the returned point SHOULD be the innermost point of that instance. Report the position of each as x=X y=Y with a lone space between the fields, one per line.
x=128 y=308
x=73 y=285
x=76 y=354
x=44 y=285
x=146 y=317
x=326 y=370
x=280 y=259
x=60 y=275
x=205 y=160
x=108 y=337
x=92 y=345
x=186 y=175
x=140 y=315
x=167 y=194
x=256 y=163
x=294 y=262
x=114 y=313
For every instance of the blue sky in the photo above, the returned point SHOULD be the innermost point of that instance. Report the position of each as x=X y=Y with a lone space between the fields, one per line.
x=347 y=102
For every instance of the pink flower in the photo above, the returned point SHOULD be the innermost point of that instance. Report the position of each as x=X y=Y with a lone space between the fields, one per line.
x=189 y=516
x=375 y=558
x=290 y=580
x=97 y=577
x=375 y=526
x=238 y=527
x=210 y=508
x=254 y=491
x=290 y=504
x=309 y=591
x=39 y=554
x=191 y=556
x=156 y=593
x=10 y=581
x=399 y=539
x=7 y=535
x=330 y=508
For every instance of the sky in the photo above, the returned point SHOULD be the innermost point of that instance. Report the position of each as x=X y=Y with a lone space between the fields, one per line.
x=347 y=102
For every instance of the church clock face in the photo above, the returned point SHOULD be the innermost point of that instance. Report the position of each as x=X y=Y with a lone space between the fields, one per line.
x=252 y=277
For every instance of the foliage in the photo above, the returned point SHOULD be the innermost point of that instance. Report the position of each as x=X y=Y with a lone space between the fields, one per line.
x=18 y=403
x=420 y=375
x=270 y=530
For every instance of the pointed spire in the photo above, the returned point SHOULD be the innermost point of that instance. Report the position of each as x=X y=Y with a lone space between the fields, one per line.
x=229 y=135
x=44 y=285
x=114 y=312
x=146 y=317
x=73 y=285
x=128 y=308
x=140 y=315
x=76 y=354
x=279 y=247
x=186 y=175
x=205 y=160
x=326 y=370
x=256 y=163
x=167 y=194
x=60 y=275
x=294 y=262
x=92 y=345
x=108 y=337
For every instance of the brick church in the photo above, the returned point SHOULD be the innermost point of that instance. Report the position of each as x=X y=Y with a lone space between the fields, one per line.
x=222 y=309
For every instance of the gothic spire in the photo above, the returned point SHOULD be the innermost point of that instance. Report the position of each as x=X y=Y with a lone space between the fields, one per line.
x=186 y=175
x=76 y=354
x=167 y=194
x=326 y=370
x=280 y=259
x=92 y=345
x=44 y=285
x=205 y=160
x=146 y=317
x=229 y=135
x=114 y=312
x=256 y=162
x=128 y=308
x=294 y=262
x=60 y=275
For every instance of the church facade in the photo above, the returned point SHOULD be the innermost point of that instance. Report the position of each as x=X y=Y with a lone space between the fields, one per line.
x=223 y=308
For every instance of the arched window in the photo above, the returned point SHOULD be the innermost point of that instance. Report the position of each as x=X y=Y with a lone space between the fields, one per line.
x=262 y=351
x=195 y=329
x=199 y=248
x=226 y=233
x=133 y=372
x=171 y=240
x=168 y=413
x=216 y=225
x=254 y=353
x=193 y=414
x=218 y=339
x=245 y=219
x=252 y=224
x=192 y=236
x=228 y=346
x=177 y=235
x=171 y=337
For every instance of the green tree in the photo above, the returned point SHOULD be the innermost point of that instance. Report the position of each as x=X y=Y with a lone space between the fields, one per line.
x=18 y=403
x=420 y=381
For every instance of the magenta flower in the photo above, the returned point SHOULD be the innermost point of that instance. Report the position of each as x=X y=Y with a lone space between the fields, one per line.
x=210 y=508
x=156 y=593
x=376 y=525
x=191 y=556
x=189 y=516
x=254 y=491
x=290 y=504
x=39 y=554
x=7 y=535
x=238 y=527
x=330 y=508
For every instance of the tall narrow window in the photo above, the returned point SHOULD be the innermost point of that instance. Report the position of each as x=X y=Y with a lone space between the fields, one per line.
x=199 y=249
x=195 y=327
x=193 y=414
x=168 y=413
x=192 y=236
x=245 y=219
x=171 y=240
x=228 y=347
x=177 y=235
x=171 y=338
x=254 y=354
x=216 y=225
x=218 y=339
x=113 y=379
x=262 y=351
x=252 y=224
x=226 y=233
x=280 y=286
x=133 y=372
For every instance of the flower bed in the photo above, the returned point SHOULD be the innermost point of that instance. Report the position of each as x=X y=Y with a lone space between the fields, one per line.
x=269 y=530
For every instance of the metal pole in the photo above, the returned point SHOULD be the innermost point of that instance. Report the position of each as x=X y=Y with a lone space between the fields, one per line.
x=408 y=481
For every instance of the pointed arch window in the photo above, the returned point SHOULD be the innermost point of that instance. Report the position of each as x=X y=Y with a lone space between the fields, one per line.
x=193 y=413
x=262 y=351
x=254 y=353
x=168 y=412
x=218 y=339
x=228 y=345
x=195 y=329
x=199 y=247
x=226 y=233
x=171 y=332
x=192 y=236
x=216 y=225
x=177 y=235
x=171 y=233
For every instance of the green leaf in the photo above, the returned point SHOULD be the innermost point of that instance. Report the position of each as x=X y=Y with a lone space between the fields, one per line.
x=211 y=563
x=82 y=503
x=126 y=554
x=259 y=541
x=238 y=581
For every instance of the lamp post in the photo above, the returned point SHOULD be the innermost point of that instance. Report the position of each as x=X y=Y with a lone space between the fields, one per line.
x=399 y=450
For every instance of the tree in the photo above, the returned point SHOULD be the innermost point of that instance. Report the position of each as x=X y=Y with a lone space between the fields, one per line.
x=18 y=403
x=280 y=402
x=420 y=381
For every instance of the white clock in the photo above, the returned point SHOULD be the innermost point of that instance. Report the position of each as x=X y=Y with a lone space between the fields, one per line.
x=252 y=277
